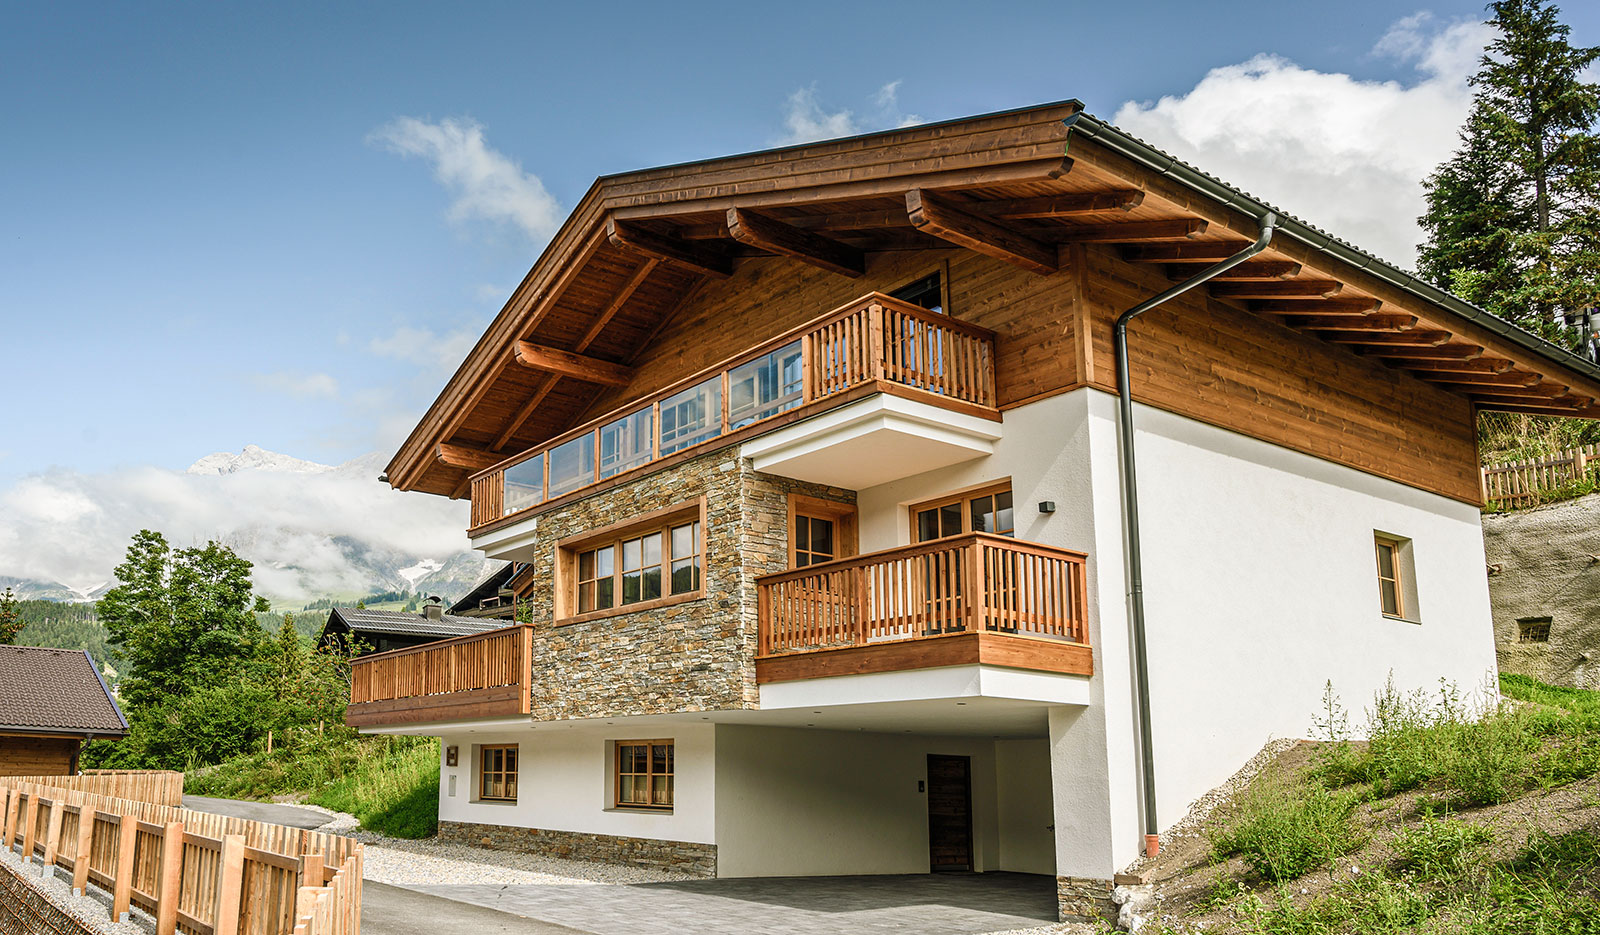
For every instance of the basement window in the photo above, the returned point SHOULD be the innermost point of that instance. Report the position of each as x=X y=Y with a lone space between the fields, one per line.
x=644 y=774
x=1533 y=629
x=497 y=776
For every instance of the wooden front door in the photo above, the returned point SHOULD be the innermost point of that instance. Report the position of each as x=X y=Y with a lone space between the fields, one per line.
x=949 y=812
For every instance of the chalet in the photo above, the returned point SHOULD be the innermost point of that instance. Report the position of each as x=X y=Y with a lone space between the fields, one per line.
x=494 y=596
x=971 y=496
x=51 y=701
x=384 y=630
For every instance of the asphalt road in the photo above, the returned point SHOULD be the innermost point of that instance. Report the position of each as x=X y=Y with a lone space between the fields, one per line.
x=257 y=811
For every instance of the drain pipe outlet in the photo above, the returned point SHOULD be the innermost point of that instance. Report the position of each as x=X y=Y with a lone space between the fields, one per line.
x=1130 y=500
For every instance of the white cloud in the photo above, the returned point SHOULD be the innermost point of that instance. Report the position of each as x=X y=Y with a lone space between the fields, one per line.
x=298 y=385
x=806 y=121
x=332 y=531
x=433 y=350
x=485 y=183
x=1345 y=154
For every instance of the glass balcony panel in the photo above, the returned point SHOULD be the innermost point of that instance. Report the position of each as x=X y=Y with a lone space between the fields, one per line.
x=765 y=386
x=572 y=465
x=626 y=443
x=691 y=416
x=524 y=484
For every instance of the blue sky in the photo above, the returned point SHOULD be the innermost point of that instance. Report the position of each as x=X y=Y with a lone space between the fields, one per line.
x=214 y=232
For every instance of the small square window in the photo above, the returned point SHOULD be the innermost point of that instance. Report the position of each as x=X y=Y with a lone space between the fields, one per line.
x=497 y=777
x=1533 y=630
x=644 y=774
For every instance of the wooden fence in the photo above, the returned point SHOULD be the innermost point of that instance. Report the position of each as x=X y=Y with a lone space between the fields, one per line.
x=1526 y=483
x=194 y=872
x=156 y=786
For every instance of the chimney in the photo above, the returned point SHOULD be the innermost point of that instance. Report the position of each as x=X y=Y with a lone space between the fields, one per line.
x=433 y=610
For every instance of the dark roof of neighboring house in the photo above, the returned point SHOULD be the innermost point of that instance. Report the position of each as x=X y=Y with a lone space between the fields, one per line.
x=487 y=588
x=361 y=620
x=55 y=691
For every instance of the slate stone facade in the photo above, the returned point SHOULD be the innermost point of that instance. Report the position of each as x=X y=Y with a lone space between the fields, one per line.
x=1085 y=900
x=697 y=655
x=687 y=857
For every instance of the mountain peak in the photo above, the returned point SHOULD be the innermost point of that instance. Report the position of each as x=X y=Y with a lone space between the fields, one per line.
x=254 y=458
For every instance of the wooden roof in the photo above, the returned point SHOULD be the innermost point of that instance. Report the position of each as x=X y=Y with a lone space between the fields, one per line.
x=1000 y=184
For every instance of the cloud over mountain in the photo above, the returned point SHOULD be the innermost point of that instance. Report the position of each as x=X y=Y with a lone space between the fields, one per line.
x=311 y=529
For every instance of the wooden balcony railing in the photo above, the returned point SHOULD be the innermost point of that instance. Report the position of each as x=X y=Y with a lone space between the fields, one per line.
x=482 y=675
x=875 y=340
x=871 y=609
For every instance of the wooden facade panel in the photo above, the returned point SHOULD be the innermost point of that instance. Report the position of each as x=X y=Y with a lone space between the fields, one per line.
x=22 y=755
x=1205 y=359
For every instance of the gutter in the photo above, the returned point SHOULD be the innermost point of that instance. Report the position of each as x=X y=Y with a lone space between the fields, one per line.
x=1167 y=166
x=1130 y=498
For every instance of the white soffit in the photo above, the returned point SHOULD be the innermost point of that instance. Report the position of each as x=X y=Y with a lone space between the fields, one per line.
x=872 y=441
x=514 y=542
x=913 y=685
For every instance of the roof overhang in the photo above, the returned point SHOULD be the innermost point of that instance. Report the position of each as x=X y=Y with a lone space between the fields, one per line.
x=1003 y=184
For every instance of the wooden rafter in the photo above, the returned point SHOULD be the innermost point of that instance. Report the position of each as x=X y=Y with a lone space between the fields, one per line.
x=1131 y=231
x=1060 y=206
x=526 y=410
x=1480 y=365
x=568 y=364
x=630 y=236
x=937 y=216
x=1511 y=397
x=1325 y=307
x=1517 y=378
x=1205 y=251
x=1540 y=390
x=1419 y=338
x=1364 y=323
x=759 y=230
x=1403 y=355
x=1244 y=272
x=1278 y=289
x=1503 y=406
x=461 y=456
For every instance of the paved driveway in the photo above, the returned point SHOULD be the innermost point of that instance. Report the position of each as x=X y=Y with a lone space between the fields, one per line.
x=258 y=811
x=932 y=904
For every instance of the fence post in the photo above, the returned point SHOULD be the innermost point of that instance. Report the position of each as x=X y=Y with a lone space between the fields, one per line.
x=171 y=878
x=52 y=835
x=122 y=885
x=230 y=883
x=310 y=879
x=30 y=819
x=13 y=808
x=80 y=855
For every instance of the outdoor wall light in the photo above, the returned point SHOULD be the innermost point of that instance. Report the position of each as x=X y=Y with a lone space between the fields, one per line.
x=1047 y=506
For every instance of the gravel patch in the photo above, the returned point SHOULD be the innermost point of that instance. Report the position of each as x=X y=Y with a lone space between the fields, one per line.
x=1057 y=928
x=93 y=909
x=403 y=862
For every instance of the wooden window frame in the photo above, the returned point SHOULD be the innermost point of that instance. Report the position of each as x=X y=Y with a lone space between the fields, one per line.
x=660 y=522
x=1380 y=542
x=617 y=773
x=846 y=526
x=963 y=497
x=483 y=771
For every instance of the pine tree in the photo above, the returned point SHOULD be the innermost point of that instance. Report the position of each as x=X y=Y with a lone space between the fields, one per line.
x=1513 y=218
x=11 y=622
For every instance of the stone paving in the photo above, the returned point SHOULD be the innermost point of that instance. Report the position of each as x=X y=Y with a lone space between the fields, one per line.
x=933 y=904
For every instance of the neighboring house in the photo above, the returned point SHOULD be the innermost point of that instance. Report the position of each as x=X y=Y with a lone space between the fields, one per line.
x=1544 y=588
x=814 y=454
x=497 y=595
x=51 y=701
x=384 y=630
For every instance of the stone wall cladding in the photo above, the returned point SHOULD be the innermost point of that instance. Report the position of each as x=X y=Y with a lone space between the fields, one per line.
x=1085 y=900
x=26 y=910
x=687 y=857
x=694 y=656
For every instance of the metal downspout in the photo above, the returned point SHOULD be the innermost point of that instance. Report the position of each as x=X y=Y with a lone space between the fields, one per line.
x=1130 y=499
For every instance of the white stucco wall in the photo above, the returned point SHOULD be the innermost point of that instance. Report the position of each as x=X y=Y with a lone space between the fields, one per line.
x=563 y=782
x=1261 y=587
x=1024 y=806
x=795 y=802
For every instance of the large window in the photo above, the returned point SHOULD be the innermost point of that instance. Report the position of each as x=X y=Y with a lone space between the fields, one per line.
x=820 y=530
x=691 y=416
x=626 y=443
x=634 y=565
x=986 y=510
x=644 y=774
x=765 y=386
x=497 y=773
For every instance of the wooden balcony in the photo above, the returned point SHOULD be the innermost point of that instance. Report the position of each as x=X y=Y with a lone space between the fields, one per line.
x=964 y=600
x=480 y=676
x=876 y=344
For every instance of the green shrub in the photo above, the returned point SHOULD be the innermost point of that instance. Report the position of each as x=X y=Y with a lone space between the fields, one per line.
x=395 y=793
x=1283 y=829
x=1440 y=848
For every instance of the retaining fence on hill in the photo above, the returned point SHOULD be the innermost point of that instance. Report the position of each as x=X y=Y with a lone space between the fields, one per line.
x=156 y=786
x=194 y=872
x=1525 y=483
